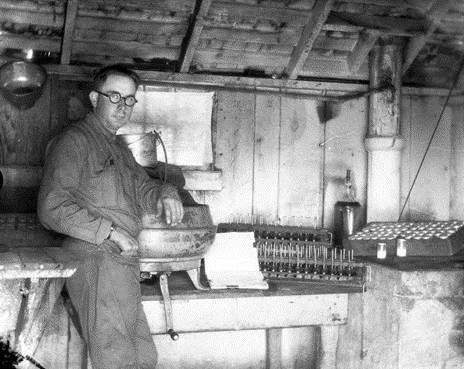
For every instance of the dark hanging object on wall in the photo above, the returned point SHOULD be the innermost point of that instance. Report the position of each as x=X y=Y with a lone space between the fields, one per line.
x=327 y=110
x=22 y=83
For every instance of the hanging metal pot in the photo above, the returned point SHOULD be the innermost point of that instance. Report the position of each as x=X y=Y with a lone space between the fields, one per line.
x=142 y=146
x=21 y=83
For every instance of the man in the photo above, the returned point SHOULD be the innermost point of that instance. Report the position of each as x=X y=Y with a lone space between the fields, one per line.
x=94 y=192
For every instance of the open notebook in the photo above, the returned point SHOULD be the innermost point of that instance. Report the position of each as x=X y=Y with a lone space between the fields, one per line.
x=232 y=262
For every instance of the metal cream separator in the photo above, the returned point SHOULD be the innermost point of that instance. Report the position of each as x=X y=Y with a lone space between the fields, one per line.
x=165 y=249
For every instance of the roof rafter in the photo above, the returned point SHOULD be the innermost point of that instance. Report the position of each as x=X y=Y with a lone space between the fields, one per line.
x=387 y=24
x=366 y=42
x=415 y=44
x=193 y=34
x=13 y=41
x=96 y=48
x=69 y=24
x=311 y=30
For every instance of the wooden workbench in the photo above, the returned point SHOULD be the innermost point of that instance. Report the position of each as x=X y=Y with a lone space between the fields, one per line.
x=31 y=279
x=284 y=305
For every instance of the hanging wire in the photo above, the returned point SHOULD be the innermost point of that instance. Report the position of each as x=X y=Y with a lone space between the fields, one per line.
x=158 y=137
x=455 y=81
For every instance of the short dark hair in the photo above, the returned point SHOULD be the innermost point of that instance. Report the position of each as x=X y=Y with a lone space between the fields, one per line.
x=102 y=74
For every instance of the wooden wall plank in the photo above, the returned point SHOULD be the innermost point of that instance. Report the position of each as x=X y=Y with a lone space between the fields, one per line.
x=406 y=175
x=234 y=155
x=430 y=197
x=300 y=161
x=344 y=149
x=266 y=156
x=71 y=103
x=457 y=163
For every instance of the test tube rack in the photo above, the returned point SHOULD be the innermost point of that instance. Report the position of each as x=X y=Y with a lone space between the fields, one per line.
x=433 y=238
x=300 y=254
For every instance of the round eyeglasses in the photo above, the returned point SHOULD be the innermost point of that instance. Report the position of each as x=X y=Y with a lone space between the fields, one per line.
x=115 y=98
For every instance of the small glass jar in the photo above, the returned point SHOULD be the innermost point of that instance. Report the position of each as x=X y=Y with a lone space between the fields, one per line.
x=401 y=247
x=381 y=250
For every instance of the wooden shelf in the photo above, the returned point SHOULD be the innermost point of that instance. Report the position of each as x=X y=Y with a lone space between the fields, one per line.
x=30 y=176
x=202 y=180
x=36 y=262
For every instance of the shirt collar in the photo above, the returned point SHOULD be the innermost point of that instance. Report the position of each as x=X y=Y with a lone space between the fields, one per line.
x=96 y=123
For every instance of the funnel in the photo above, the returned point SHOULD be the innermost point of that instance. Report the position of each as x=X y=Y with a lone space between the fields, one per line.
x=22 y=82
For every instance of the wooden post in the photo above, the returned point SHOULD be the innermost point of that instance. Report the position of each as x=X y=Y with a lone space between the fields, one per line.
x=383 y=141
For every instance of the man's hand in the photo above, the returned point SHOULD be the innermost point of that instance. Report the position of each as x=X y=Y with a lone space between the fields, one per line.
x=173 y=210
x=128 y=244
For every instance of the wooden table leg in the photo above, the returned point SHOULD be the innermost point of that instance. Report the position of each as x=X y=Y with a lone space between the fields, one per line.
x=36 y=312
x=328 y=347
x=274 y=348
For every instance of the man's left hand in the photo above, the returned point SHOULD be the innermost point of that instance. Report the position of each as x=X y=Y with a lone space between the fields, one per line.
x=173 y=210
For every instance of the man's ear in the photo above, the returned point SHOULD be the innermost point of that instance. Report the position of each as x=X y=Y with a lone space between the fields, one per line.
x=93 y=96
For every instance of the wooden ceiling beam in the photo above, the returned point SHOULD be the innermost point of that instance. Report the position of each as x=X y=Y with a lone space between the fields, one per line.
x=88 y=20
x=364 y=45
x=415 y=44
x=394 y=26
x=121 y=49
x=193 y=34
x=46 y=16
x=253 y=85
x=311 y=30
x=45 y=19
x=12 y=41
x=389 y=25
x=415 y=4
x=69 y=24
x=210 y=81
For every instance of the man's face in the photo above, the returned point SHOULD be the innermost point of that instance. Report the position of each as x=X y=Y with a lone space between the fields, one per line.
x=113 y=115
